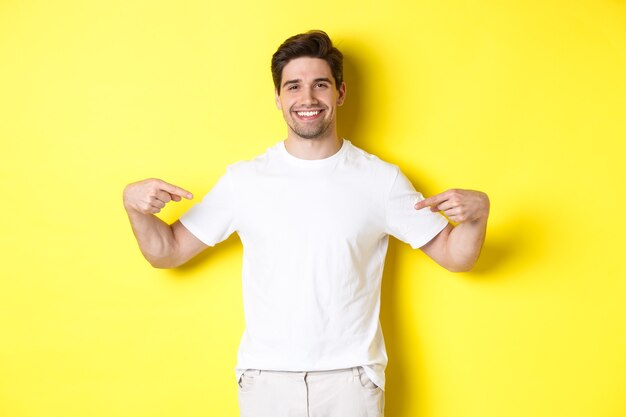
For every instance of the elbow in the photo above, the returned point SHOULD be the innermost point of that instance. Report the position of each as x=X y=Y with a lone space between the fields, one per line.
x=461 y=263
x=461 y=266
x=161 y=265
x=162 y=262
x=164 y=256
x=158 y=263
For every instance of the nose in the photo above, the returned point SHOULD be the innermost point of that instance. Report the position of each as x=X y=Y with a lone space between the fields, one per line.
x=308 y=97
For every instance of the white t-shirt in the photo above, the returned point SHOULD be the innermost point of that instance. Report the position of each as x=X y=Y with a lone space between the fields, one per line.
x=315 y=235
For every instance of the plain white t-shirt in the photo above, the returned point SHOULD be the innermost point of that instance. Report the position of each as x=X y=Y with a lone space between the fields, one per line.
x=314 y=235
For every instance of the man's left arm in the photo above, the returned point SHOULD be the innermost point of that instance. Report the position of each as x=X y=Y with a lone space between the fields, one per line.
x=457 y=248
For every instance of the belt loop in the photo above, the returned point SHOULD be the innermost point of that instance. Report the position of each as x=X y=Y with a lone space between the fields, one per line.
x=355 y=372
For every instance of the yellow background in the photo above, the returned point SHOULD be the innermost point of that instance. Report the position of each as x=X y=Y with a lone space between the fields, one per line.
x=525 y=100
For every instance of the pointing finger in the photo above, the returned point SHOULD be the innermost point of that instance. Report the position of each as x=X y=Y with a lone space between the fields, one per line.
x=174 y=190
x=430 y=201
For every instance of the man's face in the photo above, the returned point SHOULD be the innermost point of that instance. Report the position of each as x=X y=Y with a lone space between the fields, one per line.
x=309 y=98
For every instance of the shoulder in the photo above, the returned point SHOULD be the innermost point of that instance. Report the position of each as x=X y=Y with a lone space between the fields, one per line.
x=371 y=164
x=253 y=166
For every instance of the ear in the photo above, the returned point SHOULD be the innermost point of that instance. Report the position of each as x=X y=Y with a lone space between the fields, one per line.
x=342 y=94
x=277 y=99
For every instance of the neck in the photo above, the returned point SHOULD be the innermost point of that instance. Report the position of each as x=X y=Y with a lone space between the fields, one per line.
x=317 y=148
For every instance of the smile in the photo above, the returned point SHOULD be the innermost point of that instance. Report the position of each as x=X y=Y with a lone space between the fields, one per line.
x=308 y=114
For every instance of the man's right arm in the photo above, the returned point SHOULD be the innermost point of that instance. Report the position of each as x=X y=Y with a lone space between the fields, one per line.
x=163 y=245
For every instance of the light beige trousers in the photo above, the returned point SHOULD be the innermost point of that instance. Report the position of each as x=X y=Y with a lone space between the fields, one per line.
x=339 y=393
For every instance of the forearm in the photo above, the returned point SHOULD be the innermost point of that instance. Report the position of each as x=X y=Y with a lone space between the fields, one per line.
x=464 y=244
x=155 y=238
x=457 y=248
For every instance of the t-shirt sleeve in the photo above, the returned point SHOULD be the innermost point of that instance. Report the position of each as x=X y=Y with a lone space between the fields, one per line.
x=415 y=227
x=214 y=218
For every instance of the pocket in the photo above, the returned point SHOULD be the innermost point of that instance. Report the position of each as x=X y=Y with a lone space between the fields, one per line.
x=373 y=396
x=247 y=380
x=366 y=382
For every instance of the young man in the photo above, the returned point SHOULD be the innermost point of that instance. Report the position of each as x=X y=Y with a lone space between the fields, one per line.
x=314 y=214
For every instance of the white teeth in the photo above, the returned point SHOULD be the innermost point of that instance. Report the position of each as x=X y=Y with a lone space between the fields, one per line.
x=308 y=113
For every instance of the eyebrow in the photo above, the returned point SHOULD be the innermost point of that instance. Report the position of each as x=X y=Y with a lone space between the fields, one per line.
x=317 y=80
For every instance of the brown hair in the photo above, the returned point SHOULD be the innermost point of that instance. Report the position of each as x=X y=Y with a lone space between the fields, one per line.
x=314 y=44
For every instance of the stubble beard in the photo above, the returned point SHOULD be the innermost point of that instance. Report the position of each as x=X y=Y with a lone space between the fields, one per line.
x=309 y=132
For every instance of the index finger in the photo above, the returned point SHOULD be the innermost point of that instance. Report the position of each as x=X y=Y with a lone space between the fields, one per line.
x=434 y=200
x=174 y=190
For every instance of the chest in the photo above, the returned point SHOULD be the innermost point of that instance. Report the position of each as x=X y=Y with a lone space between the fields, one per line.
x=324 y=209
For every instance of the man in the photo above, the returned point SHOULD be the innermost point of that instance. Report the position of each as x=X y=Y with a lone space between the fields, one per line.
x=314 y=214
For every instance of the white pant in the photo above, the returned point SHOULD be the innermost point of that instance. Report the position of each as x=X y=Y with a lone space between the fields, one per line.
x=339 y=393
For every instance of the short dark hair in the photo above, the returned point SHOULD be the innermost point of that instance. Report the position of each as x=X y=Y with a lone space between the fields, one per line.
x=314 y=44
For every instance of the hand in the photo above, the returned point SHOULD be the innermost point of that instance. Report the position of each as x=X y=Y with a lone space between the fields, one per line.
x=151 y=195
x=458 y=205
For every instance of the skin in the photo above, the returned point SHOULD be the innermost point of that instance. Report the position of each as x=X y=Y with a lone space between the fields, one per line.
x=163 y=245
x=307 y=84
x=457 y=248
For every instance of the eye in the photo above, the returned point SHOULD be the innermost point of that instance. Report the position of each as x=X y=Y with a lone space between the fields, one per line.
x=292 y=87
x=321 y=85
